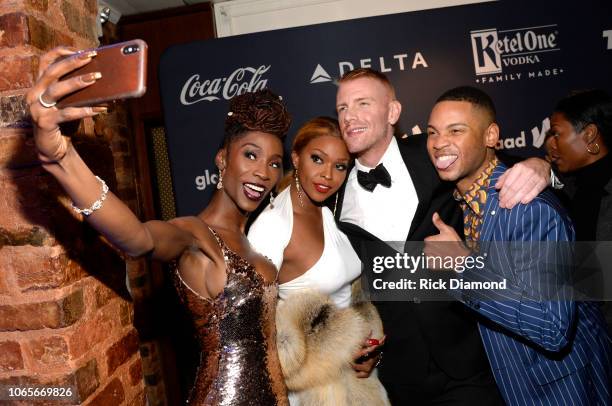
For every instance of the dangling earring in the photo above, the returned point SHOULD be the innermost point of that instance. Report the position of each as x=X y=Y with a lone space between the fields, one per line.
x=595 y=151
x=220 y=183
x=271 y=200
x=298 y=187
x=336 y=204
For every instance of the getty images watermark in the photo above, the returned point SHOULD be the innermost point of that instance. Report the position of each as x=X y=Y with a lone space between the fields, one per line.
x=411 y=264
x=397 y=271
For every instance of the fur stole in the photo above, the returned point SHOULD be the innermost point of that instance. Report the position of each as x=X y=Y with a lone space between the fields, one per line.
x=316 y=342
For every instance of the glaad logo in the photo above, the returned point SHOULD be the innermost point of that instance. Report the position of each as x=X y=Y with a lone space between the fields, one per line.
x=495 y=49
x=538 y=135
x=205 y=180
x=240 y=81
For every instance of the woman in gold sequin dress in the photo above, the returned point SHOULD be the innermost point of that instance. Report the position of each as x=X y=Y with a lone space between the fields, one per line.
x=229 y=289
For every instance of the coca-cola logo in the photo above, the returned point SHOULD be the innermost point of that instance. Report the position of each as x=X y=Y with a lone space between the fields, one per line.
x=242 y=80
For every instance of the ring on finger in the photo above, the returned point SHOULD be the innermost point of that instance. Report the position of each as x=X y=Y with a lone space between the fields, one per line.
x=44 y=103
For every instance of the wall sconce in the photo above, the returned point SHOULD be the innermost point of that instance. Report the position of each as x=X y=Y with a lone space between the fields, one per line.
x=106 y=13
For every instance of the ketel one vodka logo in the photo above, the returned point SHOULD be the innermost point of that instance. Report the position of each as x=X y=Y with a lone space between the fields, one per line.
x=240 y=81
x=495 y=49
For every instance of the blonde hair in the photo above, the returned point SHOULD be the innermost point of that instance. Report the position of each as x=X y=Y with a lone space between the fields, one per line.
x=315 y=128
x=368 y=73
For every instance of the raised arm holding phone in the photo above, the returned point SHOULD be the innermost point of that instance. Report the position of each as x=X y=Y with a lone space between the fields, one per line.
x=211 y=254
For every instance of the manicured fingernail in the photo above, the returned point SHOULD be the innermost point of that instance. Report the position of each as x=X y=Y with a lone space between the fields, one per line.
x=373 y=341
x=91 y=77
x=87 y=54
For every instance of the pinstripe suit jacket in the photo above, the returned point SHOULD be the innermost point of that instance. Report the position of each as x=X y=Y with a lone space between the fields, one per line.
x=542 y=352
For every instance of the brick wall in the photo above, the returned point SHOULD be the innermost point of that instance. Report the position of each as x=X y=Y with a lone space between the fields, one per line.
x=66 y=318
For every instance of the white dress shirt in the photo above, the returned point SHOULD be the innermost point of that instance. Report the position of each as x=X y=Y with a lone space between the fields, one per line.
x=386 y=212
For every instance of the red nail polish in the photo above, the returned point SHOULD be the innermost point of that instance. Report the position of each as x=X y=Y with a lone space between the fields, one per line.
x=373 y=341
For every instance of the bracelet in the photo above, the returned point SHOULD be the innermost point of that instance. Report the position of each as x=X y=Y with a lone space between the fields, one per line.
x=97 y=204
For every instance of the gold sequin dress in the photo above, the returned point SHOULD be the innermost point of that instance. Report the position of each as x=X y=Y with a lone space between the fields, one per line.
x=237 y=336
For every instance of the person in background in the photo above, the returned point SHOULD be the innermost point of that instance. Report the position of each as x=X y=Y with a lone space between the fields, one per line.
x=578 y=139
x=578 y=143
x=229 y=289
x=543 y=347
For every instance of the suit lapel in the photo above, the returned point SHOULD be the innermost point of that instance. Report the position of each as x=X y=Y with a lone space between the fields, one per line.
x=419 y=167
x=353 y=230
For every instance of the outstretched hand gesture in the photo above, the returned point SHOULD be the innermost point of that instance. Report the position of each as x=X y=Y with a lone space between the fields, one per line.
x=48 y=89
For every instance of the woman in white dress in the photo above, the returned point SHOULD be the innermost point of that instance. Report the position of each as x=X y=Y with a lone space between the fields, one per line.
x=298 y=233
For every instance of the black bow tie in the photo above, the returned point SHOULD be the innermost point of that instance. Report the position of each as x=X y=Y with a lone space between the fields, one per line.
x=369 y=180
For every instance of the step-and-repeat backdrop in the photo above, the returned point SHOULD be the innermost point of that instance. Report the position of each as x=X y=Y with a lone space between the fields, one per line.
x=525 y=54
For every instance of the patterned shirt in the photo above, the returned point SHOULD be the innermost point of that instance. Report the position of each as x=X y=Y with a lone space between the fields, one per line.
x=473 y=203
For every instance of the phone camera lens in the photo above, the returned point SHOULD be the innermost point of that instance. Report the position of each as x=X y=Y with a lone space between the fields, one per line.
x=130 y=49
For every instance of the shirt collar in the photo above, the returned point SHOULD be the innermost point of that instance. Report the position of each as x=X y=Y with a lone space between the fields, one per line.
x=473 y=198
x=391 y=159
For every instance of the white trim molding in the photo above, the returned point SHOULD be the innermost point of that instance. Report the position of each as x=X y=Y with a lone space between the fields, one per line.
x=235 y=17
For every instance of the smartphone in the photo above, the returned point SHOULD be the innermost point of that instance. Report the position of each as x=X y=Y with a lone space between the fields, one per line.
x=124 y=75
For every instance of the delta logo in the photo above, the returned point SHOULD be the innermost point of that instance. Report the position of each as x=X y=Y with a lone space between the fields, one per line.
x=403 y=61
x=320 y=75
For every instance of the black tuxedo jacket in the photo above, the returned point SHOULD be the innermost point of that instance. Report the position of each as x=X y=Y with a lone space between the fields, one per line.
x=418 y=333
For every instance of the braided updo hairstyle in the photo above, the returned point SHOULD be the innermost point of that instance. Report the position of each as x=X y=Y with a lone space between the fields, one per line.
x=258 y=111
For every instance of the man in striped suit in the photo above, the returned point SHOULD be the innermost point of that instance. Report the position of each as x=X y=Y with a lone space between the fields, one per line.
x=542 y=351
